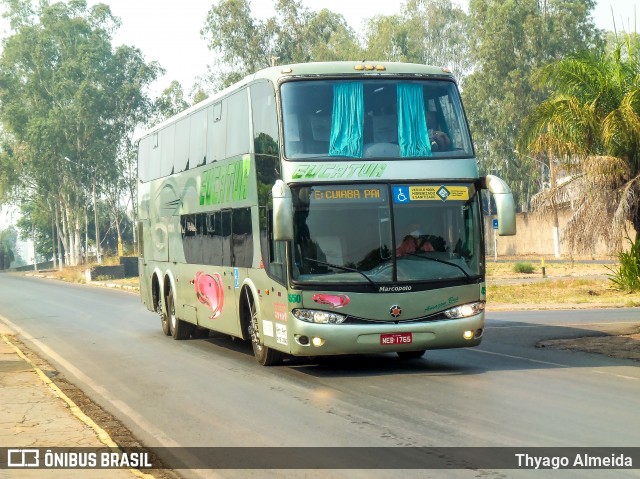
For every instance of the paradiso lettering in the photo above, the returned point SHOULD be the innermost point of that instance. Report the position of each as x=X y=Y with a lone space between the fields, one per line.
x=339 y=170
x=225 y=183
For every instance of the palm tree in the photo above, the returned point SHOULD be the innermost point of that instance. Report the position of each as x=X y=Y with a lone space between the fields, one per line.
x=590 y=128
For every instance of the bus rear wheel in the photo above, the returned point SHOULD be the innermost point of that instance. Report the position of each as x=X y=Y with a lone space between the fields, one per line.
x=411 y=354
x=164 y=319
x=264 y=355
x=179 y=329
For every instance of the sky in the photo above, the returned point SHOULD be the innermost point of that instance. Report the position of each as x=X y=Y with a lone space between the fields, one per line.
x=168 y=31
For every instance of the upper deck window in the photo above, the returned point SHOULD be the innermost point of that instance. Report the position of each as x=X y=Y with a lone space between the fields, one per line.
x=377 y=118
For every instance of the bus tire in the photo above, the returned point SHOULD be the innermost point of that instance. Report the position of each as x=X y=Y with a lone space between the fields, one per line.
x=179 y=329
x=263 y=354
x=411 y=354
x=164 y=319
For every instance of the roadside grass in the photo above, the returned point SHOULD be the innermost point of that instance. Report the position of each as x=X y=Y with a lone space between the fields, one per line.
x=563 y=269
x=560 y=292
x=76 y=274
x=526 y=268
x=72 y=274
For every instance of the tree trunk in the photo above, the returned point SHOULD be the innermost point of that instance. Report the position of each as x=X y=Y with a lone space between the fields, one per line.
x=71 y=237
x=120 y=248
x=60 y=237
x=53 y=239
x=86 y=234
x=65 y=236
x=78 y=240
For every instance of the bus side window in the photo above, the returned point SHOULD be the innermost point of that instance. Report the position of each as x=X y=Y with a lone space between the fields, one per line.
x=181 y=146
x=216 y=132
x=212 y=239
x=191 y=238
x=226 y=238
x=237 y=124
x=272 y=251
x=265 y=119
x=167 y=149
x=242 y=238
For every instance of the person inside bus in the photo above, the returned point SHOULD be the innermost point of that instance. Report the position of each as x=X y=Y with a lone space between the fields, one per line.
x=414 y=242
x=440 y=141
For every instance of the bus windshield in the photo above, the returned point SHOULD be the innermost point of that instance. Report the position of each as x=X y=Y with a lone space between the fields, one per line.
x=372 y=233
x=373 y=118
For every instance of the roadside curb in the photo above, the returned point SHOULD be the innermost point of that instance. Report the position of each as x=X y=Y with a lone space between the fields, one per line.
x=75 y=410
x=101 y=284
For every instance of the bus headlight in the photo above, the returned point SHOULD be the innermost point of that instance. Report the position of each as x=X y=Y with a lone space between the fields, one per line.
x=464 y=310
x=320 y=317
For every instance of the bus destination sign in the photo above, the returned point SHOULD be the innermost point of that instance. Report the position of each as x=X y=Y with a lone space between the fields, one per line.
x=367 y=193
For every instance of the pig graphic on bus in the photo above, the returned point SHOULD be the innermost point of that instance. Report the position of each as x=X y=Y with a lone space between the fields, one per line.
x=210 y=291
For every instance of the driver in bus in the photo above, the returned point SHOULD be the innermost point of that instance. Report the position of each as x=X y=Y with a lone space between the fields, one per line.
x=440 y=141
x=414 y=242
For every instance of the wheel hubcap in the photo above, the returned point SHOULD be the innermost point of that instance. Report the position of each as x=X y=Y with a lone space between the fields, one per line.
x=253 y=330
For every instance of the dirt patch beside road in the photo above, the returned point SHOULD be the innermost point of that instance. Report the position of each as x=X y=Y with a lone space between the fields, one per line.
x=622 y=343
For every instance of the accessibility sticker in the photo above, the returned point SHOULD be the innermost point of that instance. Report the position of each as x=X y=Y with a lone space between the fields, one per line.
x=405 y=194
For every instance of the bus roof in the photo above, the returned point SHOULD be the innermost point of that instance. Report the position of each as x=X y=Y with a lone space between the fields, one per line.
x=297 y=70
x=349 y=68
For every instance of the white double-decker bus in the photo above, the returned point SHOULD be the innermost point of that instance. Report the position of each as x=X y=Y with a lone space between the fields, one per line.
x=319 y=209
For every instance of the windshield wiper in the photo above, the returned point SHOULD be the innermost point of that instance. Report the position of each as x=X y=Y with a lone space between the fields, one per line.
x=438 y=260
x=343 y=268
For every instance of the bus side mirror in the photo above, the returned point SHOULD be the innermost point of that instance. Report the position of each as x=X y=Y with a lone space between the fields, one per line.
x=504 y=204
x=282 y=211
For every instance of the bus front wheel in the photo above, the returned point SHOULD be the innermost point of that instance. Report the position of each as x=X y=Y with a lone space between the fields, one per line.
x=264 y=355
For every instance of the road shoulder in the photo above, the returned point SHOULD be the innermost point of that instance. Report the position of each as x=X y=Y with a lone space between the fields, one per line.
x=42 y=409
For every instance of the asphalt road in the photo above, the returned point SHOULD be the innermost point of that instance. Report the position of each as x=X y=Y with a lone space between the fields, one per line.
x=211 y=392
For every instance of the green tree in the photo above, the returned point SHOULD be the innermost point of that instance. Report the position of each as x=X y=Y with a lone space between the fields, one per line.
x=590 y=126
x=134 y=108
x=294 y=34
x=511 y=39
x=433 y=32
x=170 y=102
x=66 y=93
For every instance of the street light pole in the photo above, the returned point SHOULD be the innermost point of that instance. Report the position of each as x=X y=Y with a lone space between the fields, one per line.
x=95 y=219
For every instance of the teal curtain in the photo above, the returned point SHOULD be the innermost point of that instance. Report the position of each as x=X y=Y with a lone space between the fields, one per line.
x=347 y=123
x=413 y=136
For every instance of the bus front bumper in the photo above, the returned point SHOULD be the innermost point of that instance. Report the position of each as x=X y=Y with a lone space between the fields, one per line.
x=310 y=339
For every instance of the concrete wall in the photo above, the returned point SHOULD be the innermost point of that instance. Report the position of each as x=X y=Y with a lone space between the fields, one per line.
x=39 y=266
x=534 y=236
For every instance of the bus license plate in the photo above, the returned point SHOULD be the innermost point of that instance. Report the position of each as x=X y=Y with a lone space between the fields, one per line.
x=396 y=338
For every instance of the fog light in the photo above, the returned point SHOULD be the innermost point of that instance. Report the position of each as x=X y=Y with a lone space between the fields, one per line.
x=317 y=342
x=468 y=335
x=303 y=340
